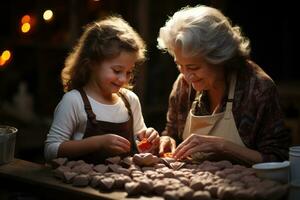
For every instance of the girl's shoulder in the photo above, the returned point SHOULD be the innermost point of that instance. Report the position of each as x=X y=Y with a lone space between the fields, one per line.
x=130 y=95
x=72 y=96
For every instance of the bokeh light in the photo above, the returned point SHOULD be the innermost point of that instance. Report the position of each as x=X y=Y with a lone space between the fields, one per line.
x=25 y=27
x=5 y=57
x=25 y=19
x=48 y=14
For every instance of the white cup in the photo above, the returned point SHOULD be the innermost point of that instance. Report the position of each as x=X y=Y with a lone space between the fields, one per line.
x=294 y=157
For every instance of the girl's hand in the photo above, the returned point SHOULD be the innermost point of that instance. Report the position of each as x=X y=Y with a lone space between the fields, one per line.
x=112 y=143
x=199 y=143
x=167 y=144
x=150 y=138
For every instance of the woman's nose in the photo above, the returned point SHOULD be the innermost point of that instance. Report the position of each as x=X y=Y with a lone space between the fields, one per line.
x=184 y=71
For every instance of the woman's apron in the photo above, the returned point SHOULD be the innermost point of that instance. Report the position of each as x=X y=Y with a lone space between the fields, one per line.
x=219 y=124
x=96 y=127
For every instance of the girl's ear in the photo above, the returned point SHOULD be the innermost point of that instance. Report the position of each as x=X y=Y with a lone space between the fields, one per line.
x=91 y=65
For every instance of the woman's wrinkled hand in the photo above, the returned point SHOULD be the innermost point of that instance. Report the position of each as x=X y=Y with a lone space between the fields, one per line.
x=167 y=144
x=199 y=143
x=148 y=141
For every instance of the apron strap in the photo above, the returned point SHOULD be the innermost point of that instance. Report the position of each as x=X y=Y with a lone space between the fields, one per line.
x=230 y=96
x=87 y=106
x=127 y=105
x=126 y=102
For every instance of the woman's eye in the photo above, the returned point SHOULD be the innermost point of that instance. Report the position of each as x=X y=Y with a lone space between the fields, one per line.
x=192 y=68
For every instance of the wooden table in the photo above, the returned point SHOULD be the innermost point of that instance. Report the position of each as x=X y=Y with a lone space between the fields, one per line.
x=37 y=175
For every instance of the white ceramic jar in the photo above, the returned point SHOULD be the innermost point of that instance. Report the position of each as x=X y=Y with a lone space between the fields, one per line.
x=7 y=143
x=294 y=190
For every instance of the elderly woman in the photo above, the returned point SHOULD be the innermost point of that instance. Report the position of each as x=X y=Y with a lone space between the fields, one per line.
x=222 y=103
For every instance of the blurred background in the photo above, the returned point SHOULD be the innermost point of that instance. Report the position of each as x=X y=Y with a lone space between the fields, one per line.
x=37 y=35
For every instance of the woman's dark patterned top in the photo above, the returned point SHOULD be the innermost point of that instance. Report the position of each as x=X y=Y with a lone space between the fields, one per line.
x=256 y=111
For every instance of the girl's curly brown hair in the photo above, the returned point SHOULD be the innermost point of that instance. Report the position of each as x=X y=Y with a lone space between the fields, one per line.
x=104 y=39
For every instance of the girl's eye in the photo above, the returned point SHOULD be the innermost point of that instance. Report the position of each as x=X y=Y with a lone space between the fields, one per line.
x=117 y=71
x=129 y=73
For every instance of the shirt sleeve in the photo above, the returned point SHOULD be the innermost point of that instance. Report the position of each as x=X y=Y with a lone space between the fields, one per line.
x=138 y=119
x=63 y=126
x=171 y=125
x=273 y=138
x=178 y=108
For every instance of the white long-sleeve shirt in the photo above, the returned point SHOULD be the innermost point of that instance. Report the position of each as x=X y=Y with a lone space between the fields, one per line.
x=70 y=118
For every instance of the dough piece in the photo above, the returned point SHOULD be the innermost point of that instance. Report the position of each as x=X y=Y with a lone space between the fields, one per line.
x=106 y=184
x=81 y=180
x=95 y=180
x=133 y=188
x=176 y=165
x=145 y=159
x=113 y=160
x=69 y=176
x=203 y=195
x=58 y=162
x=171 y=195
x=59 y=171
x=101 y=168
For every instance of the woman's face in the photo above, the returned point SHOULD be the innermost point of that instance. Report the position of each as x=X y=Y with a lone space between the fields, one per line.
x=196 y=71
x=112 y=74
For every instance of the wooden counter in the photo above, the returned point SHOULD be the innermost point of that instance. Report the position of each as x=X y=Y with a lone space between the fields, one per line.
x=24 y=172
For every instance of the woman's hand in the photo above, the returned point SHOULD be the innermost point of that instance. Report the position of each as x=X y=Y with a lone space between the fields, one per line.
x=167 y=144
x=152 y=137
x=111 y=143
x=199 y=143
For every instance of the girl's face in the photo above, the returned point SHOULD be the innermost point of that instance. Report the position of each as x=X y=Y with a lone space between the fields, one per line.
x=112 y=74
x=196 y=71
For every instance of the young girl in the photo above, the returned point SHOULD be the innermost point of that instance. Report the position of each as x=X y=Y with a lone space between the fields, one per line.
x=98 y=117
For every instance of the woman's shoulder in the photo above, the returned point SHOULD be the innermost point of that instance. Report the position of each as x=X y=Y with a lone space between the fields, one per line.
x=255 y=76
x=258 y=77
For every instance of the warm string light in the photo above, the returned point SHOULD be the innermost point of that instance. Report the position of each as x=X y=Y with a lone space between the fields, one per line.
x=5 y=57
x=26 y=23
x=48 y=15
x=25 y=19
x=25 y=27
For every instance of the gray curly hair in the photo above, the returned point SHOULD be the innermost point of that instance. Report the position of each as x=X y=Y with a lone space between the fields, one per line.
x=205 y=31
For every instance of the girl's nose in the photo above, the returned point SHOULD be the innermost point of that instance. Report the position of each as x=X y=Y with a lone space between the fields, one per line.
x=122 y=78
